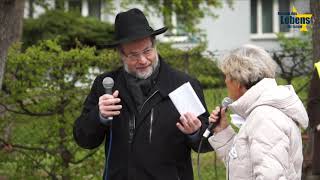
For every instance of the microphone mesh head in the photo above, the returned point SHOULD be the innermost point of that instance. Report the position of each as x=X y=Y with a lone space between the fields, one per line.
x=108 y=83
x=226 y=101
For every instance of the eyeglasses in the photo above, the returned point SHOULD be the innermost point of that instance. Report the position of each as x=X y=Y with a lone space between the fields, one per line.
x=137 y=56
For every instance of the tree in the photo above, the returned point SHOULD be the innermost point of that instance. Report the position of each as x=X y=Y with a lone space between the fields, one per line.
x=188 y=13
x=314 y=99
x=294 y=57
x=11 y=16
x=194 y=63
x=315 y=10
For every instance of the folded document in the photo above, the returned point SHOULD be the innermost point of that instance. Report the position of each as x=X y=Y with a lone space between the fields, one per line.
x=185 y=100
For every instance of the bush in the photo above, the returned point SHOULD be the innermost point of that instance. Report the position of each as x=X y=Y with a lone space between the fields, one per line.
x=44 y=88
x=71 y=28
x=295 y=56
x=194 y=63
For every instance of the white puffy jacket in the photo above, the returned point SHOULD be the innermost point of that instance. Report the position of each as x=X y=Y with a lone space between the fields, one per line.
x=268 y=146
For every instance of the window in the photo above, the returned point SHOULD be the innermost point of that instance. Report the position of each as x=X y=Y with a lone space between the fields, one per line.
x=264 y=16
x=85 y=8
x=75 y=5
x=59 y=4
x=267 y=12
x=253 y=16
x=94 y=7
x=180 y=27
x=177 y=31
x=174 y=22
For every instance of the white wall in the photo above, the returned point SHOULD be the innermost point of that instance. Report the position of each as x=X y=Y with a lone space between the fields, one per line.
x=230 y=29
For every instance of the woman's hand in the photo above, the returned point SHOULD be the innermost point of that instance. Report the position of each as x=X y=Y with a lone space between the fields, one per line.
x=214 y=118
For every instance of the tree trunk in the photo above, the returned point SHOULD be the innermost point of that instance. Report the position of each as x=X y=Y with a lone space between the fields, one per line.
x=315 y=10
x=11 y=16
x=314 y=92
x=64 y=152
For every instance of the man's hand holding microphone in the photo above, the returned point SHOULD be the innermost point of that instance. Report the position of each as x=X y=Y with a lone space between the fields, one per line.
x=108 y=103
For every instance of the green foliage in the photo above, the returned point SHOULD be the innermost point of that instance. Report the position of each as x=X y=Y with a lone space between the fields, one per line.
x=301 y=85
x=300 y=43
x=71 y=29
x=188 y=13
x=43 y=92
x=194 y=63
x=214 y=96
x=295 y=57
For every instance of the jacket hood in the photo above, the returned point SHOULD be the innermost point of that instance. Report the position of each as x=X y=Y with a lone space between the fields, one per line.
x=267 y=92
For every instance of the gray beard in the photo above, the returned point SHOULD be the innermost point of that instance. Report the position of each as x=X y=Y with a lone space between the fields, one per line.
x=144 y=75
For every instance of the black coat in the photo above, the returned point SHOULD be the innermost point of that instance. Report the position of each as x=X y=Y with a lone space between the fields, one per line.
x=146 y=144
x=313 y=109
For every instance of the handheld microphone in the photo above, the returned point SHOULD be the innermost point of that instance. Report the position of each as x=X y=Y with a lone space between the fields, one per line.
x=108 y=84
x=224 y=104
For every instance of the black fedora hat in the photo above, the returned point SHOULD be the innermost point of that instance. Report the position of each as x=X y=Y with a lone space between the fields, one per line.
x=132 y=25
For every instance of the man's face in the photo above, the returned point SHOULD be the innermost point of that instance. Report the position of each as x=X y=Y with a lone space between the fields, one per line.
x=139 y=57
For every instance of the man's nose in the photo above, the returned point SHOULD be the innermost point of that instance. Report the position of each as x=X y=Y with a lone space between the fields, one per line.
x=142 y=59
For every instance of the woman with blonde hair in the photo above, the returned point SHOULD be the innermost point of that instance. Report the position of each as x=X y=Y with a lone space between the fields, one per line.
x=268 y=145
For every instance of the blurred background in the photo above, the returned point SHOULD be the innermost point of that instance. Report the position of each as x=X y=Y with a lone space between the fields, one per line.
x=51 y=50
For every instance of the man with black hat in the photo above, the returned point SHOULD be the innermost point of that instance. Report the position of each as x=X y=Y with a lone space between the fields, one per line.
x=146 y=138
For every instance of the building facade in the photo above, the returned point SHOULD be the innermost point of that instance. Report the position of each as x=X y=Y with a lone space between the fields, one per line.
x=245 y=21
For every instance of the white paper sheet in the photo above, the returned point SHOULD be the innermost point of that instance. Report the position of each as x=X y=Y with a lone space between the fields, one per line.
x=185 y=100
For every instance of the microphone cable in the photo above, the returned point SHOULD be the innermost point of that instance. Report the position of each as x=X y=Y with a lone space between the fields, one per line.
x=225 y=103
x=198 y=158
x=108 y=155
x=108 y=84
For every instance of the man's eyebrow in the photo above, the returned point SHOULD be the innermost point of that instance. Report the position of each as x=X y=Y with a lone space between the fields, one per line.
x=148 y=47
x=136 y=52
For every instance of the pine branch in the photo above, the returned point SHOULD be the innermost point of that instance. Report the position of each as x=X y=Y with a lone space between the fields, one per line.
x=29 y=148
x=26 y=111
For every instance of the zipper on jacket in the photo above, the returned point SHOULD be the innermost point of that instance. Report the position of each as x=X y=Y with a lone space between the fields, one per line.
x=150 y=129
x=228 y=169
x=132 y=126
x=148 y=100
x=151 y=116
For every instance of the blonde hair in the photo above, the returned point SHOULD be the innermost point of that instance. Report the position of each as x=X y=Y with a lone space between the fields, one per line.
x=248 y=65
